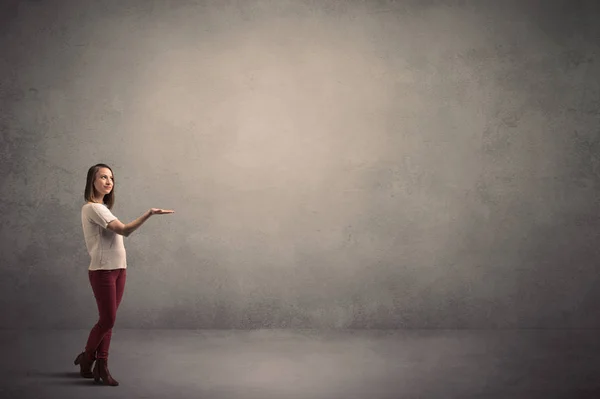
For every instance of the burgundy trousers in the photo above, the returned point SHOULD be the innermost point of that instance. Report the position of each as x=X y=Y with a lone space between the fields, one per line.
x=108 y=287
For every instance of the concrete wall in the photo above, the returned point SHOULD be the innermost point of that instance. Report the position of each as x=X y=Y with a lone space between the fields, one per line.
x=358 y=164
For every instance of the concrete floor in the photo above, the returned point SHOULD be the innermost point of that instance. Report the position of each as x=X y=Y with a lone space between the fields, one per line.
x=309 y=364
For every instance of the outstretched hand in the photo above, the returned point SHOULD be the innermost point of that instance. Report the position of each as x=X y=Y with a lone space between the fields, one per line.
x=158 y=211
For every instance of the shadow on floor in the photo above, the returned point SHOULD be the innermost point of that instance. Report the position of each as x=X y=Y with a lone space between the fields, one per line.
x=54 y=374
x=62 y=378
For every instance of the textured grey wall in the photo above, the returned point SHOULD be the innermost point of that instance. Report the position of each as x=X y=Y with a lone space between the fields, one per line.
x=332 y=164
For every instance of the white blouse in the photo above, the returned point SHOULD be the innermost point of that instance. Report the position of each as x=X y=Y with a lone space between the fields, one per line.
x=105 y=247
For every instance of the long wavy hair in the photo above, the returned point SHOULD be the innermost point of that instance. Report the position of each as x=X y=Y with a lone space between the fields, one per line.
x=109 y=199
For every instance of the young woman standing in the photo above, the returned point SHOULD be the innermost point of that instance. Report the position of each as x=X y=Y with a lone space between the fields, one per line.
x=103 y=234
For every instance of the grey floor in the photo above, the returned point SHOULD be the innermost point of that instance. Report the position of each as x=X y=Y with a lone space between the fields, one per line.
x=309 y=364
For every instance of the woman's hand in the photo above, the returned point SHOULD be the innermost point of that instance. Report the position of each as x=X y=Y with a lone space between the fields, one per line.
x=158 y=211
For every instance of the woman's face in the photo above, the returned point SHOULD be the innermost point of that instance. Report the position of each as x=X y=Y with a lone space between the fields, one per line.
x=104 y=181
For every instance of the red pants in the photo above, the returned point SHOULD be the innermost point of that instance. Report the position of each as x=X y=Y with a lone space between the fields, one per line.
x=108 y=287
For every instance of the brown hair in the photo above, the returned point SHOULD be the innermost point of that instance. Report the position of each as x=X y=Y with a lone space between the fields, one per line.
x=109 y=199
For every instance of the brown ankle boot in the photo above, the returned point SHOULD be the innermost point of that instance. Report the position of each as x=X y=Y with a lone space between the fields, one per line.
x=85 y=365
x=101 y=372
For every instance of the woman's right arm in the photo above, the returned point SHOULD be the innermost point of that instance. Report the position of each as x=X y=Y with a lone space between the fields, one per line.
x=126 y=229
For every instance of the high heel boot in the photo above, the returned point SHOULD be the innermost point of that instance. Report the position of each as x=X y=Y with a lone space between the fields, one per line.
x=101 y=372
x=85 y=365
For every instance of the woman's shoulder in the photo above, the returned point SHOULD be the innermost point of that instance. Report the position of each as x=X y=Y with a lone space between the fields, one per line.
x=93 y=205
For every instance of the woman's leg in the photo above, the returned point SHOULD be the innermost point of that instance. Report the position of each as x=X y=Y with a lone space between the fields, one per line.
x=104 y=285
x=119 y=287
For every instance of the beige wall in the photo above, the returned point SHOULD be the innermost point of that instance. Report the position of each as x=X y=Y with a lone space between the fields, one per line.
x=331 y=164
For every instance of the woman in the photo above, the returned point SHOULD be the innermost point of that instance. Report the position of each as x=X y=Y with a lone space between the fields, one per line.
x=103 y=234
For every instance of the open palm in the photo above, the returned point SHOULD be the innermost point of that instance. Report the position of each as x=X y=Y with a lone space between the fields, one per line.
x=158 y=211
